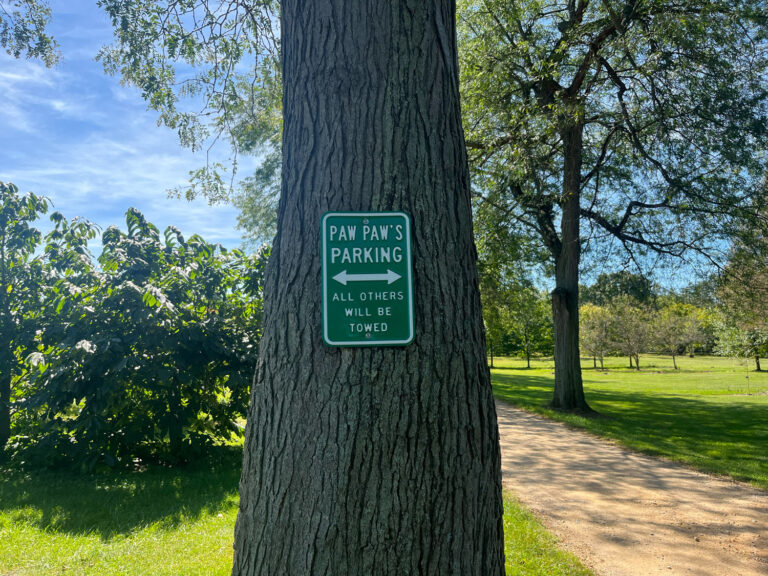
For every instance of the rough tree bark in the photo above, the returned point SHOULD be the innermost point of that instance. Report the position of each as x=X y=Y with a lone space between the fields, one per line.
x=569 y=388
x=372 y=461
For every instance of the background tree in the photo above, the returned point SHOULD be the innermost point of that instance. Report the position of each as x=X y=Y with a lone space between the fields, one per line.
x=608 y=286
x=531 y=322
x=743 y=293
x=596 y=332
x=674 y=328
x=512 y=307
x=358 y=460
x=495 y=314
x=23 y=30
x=517 y=317
x=21 y=280
x=738 y=342
x=641 y=121
x=211 y=71
x=630 y=328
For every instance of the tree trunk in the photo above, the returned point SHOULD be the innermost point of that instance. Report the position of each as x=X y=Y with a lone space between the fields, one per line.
x=757 y=363
x=5 y=401
x=6 y=363
x=569 y=389
x=602 y=367
x=594 y=362
x=674 y=363
x=175 y=418
x=637 y=362
x=528 y=357
x=631 y=364
x=377 y=460
x=490 y=349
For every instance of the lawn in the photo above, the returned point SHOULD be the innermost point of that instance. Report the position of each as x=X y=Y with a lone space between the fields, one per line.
x=712 y=414
x=171 y=522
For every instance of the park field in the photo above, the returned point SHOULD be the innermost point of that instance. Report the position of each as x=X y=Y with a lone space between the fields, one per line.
x=711 y=414
x=166 y=522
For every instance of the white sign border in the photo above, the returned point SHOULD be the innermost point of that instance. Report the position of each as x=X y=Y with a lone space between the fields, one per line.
x=325 y=273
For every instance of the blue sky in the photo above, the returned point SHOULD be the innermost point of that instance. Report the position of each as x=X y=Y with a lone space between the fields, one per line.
x=77 y=136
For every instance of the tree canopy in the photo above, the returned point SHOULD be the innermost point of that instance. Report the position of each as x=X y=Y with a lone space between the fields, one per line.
x=645 y=120
x=23 y=30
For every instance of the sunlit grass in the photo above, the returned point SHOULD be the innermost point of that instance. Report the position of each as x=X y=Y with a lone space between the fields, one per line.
x=530 y=549
x=160 y=522
x=166 y=522
x=711 y=414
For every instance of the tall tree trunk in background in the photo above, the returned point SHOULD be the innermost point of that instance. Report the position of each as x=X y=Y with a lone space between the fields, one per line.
x=175 y=418
x=6 y=356
x=757 y=363
x=569 y=389
x=382 y=460
x=5 y=399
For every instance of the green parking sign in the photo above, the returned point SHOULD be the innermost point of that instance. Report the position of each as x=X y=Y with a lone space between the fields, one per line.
x=367 y=279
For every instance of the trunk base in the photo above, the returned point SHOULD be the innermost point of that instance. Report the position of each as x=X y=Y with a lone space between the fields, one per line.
x=583 y=411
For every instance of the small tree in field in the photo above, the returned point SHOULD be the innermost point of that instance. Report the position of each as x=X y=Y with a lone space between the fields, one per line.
x=530 y=314
x=674 y=328
x=631 y=332
x=596 y=332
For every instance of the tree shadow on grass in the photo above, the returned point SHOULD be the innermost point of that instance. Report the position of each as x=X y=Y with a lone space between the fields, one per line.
x=726 y=438
x=114 y=504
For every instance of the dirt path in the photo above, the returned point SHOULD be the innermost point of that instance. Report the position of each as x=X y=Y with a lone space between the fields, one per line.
x=623 y=513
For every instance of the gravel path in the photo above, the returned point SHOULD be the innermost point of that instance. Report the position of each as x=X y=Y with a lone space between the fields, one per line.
x=623 y=513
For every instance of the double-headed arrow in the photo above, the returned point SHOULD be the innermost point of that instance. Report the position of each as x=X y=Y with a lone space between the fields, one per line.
x=342 y=277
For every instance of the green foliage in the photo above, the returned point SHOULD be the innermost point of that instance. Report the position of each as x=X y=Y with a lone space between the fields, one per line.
x=627 y=326
x=152 y=356
x=21 y=281
x=630 y=327
x=257 y=201
x=517 y=316
x=225 y=54
x=669 y=98
x=608 y=286
x=741 y=341
x=742 y=327
x=675 y=329
x=595 y=331
x=148 y=354
x=22 y=30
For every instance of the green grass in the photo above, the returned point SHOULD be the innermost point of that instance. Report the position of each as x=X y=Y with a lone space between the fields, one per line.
x=171 y=522
x=159 y=522
x=531 y=550
x=707 y=415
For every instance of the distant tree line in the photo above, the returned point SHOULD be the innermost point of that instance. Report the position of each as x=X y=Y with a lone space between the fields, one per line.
x=144 y=353
x=625 y=314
